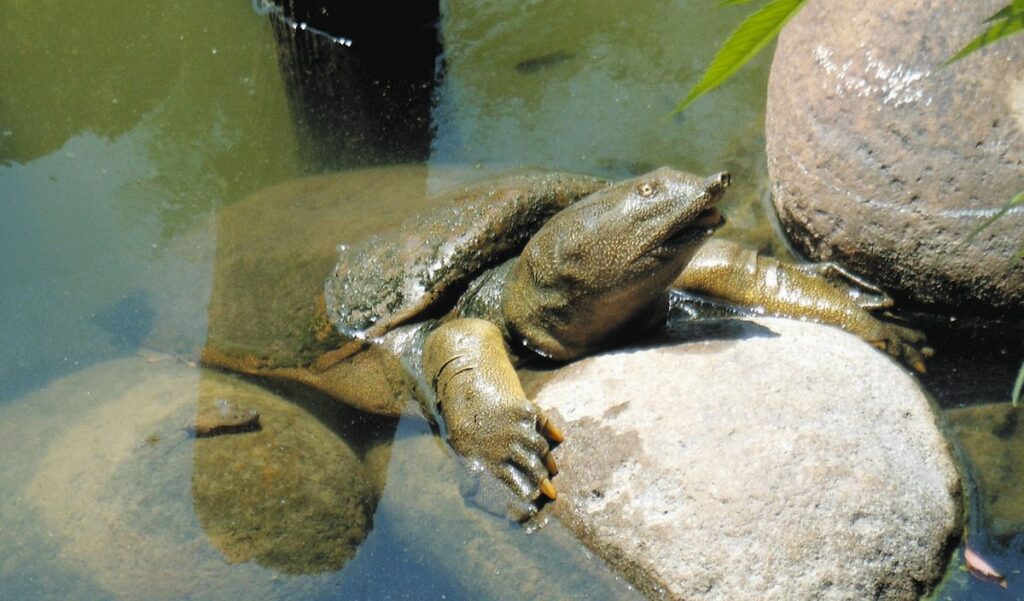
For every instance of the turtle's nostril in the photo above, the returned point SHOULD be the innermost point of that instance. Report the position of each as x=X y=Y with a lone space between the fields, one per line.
x=718 y=182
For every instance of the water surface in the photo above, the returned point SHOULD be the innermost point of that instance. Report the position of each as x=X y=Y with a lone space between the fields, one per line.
x=124 y=129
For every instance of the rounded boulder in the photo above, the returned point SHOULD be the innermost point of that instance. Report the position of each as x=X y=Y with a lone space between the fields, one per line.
x=884 y=159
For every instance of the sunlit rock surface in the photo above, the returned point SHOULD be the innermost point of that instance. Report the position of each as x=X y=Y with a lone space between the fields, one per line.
x=885 y=160
x=762 y=460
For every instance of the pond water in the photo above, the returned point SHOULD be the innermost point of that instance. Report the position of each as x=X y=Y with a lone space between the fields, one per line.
x=125 y=130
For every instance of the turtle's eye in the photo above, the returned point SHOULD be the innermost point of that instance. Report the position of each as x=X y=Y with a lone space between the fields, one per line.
x=646 y=189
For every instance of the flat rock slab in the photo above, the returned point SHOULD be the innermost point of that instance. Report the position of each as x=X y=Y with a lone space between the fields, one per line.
x=762 y=460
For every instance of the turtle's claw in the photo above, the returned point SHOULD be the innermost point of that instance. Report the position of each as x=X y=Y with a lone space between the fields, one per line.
x=548 y=428
x=511 y=446
x=903 y=343
x=550 y=464
x=487 y=417
x=548 y=489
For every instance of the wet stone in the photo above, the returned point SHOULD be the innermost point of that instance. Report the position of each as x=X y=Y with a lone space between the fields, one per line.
x=101 y=478
x=992 y=436
x=765 y=460
x=224 y=418
x=885 y=160
x=292 y=496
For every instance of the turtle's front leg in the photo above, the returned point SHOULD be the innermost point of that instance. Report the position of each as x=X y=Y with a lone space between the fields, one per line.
x=488 y=419
x=821 y=292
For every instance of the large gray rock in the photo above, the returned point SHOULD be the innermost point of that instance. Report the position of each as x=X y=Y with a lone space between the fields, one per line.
x=766 y=460
x=884 y=160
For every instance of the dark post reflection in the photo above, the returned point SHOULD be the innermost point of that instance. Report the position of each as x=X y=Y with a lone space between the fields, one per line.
x=360 y=78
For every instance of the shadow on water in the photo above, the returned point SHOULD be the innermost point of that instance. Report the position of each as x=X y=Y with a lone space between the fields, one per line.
x=970 y=378
x=128 y=321
x=976 y=359
x=362 y=430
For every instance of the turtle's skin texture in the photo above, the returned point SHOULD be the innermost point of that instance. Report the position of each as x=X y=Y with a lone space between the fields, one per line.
x=435 y=313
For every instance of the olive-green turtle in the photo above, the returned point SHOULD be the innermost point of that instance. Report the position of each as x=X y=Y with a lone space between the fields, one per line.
x=434 y=313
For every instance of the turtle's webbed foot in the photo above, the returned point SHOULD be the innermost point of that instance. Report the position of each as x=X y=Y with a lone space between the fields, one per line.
x=906 y=344
x=504 y=437
x=487 y=417
x=864 y=311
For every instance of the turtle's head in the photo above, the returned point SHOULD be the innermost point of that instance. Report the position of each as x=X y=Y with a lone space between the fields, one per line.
x=597 y=268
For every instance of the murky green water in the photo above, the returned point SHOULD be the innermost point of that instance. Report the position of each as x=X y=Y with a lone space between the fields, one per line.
x=125 y=128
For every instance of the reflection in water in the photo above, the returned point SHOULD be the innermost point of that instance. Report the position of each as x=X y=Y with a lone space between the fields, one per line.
x=991 y=440
x=360 y=78
x=992 y=436
x=198 y=80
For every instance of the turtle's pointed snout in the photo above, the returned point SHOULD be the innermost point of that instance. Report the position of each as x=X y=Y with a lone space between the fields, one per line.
x=717 y=183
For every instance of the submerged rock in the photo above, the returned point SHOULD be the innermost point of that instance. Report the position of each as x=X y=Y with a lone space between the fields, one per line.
x=885 y=160
x=992 y=436
x=764 y=460
x=129 y=500
x=292 y=496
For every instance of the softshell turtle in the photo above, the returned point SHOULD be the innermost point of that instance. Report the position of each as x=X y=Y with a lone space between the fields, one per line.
x=436 y=312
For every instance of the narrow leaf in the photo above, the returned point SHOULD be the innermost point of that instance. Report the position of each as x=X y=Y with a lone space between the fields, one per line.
x=1009 y=19
x=1018 y=385
x=1007 y=11
x=753 y=34
x=731 y=2
x=1017 y=199
x=1016 y=258
x=1003 y=13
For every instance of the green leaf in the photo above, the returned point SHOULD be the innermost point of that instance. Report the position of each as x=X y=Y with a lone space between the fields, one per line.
x=1018 y=385
x=1017 y=199
x=731 y=2
x=1006 y=11
x=1016 y=258
x=753 y=34
x=1009 y=19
